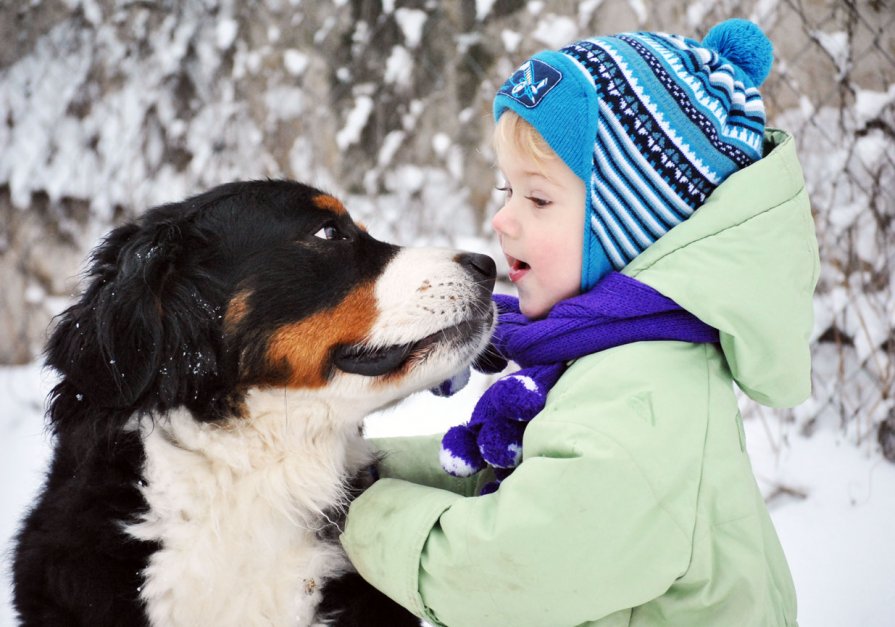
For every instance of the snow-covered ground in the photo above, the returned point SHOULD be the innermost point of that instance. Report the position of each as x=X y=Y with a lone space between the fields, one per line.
x=838 y=538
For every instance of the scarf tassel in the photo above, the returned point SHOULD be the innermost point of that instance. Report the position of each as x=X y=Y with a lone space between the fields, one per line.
x=493 y=435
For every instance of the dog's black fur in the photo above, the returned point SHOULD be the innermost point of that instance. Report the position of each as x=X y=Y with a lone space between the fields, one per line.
x=151 y=333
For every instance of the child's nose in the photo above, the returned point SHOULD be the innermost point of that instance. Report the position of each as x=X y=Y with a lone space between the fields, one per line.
x=503 y=222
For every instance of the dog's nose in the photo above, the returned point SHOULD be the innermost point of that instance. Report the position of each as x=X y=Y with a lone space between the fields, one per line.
x=481 y=267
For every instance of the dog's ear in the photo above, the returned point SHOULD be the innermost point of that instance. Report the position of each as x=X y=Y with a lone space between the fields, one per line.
x=144 y=334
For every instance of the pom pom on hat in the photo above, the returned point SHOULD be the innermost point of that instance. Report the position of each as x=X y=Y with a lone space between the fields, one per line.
x=745 y=45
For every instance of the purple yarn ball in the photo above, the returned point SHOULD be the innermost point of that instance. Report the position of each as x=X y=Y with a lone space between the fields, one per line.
x=460 y=454
x=500 y=443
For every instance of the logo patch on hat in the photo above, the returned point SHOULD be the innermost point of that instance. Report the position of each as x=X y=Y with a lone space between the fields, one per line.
x=531 y=82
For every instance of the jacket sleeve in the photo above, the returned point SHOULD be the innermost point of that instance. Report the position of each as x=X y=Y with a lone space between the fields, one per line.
x=576 y=533
x=415 y=459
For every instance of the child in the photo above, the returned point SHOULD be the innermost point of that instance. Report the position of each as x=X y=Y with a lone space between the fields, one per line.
x=629 y=500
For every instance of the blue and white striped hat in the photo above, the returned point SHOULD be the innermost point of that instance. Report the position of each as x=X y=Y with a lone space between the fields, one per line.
x=651 y=122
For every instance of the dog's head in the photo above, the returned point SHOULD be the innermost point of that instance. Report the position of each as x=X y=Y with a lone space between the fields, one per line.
x=259 y=285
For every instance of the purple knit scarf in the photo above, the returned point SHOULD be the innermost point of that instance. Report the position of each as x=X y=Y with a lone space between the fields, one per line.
x=618 y=310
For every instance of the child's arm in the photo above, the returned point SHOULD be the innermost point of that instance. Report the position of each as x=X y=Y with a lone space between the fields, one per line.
x=415 y=459
x=516 y=557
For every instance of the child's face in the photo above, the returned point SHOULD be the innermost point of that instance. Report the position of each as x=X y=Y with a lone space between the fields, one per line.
x=541 y=229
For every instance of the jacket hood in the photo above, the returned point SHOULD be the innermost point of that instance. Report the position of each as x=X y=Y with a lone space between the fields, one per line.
x=746 y=262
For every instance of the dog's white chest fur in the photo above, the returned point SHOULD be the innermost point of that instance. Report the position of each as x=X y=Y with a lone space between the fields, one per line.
x=236 y=509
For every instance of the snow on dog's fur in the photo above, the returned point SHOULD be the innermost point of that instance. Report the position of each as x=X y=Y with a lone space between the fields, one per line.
x=214 y=378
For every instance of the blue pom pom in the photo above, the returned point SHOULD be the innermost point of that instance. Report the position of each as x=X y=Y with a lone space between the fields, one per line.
x=745 y=45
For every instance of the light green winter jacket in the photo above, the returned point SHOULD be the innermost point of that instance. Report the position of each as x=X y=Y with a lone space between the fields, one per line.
x=635 y=503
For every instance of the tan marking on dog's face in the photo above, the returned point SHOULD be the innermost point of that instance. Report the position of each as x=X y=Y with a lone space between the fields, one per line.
x=361 y=226
x=304 y=347
x=237 y=309
x=330 y=203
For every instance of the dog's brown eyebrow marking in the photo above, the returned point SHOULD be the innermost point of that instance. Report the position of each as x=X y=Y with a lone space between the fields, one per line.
x=304 y=347
x=237 y=309
x=329 y=203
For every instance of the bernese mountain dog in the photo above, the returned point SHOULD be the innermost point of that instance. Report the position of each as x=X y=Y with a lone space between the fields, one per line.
x=214 y=376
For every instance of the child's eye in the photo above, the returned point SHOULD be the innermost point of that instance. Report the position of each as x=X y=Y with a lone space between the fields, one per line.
x=539 y=202
x=506 y=189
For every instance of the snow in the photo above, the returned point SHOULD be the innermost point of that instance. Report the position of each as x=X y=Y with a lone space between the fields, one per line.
x=835 y=45
x=295 y=61
x=225 y=33
x=555 y=31
x=354 y=125
x=284 y=103
x=39 y=104
x=838 y=539
x=328 y=23
x=696 y=12
x=639 y=9
x=465 y=41
x=441 y=142
x=586 y=10
x=91 y=9
x=763 y=11
x=511 y=39
x=833 y=507
x=389 y=147
x=24 y=457
x=343 y=74
x=870 y=104
x=411 y=22
x=399 y=67
x=535 y=7
x=482 y=9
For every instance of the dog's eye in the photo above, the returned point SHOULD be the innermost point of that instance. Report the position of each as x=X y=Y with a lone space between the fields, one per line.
x=329 y=231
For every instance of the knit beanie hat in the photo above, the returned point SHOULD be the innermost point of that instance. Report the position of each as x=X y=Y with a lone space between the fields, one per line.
x=652 y=123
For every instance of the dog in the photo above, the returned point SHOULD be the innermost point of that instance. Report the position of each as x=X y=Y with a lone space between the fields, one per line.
x=214 y=376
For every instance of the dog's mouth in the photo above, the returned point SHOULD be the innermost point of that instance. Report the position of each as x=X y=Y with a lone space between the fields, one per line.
x=370 y=361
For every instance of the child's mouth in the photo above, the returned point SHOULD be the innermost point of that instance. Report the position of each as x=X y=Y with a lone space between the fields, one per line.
x=518 y=268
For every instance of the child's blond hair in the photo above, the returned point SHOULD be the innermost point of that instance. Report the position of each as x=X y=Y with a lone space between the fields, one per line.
x=514 y=133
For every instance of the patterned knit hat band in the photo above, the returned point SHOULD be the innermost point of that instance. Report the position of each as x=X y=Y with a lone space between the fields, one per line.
x=652 y=123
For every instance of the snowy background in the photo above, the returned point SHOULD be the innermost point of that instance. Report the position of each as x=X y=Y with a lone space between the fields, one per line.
x=108 y=107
